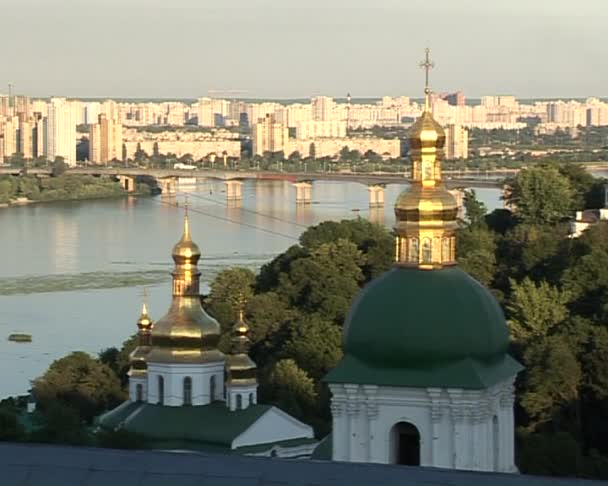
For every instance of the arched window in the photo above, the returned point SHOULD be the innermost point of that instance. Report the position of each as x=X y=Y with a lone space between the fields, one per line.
x=427 y=255
x=405 y=444
x=413 y=250
x=139 y=392
x=161 y=390
x=445 y=250
x=212 y=387
x=239 y=402
x=251 y=402
x=187 y=390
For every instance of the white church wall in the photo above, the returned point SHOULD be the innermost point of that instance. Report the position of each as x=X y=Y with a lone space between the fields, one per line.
x=458 y=428
x=248 y=394
x=274 y=426
x=174 y=375
x=141 y=380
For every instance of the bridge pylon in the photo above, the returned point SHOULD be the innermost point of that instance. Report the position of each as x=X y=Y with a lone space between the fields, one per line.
x=376 y=196
x=303 y=192
x=233 y=190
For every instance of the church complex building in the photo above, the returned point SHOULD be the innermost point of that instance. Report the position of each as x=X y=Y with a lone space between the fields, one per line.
x=425 y=378
x=185 y=394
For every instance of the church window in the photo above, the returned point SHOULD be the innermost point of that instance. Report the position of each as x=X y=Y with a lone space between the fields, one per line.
x=251 y=402
x=413 y=250
x=212 y=387
x=239 y=402
x=161 y=390
x=139 y=392
x=445 y=250
x=405 y=444
x=187 y=390
x=427 y=256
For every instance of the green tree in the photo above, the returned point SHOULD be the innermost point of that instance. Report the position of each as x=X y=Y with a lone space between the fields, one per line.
x=231 y=289
x=118 y=359
x=59 y=423
x=10 y=427
x=81 y=382
x=535 y=309
x=540 y=195
x=290 y=388
x=552 y=382
x=315 y=345
x=475 y=248
x=59 y=167
x=374 y=241
x=312 y=151
x=326 y=281
x=475 y=210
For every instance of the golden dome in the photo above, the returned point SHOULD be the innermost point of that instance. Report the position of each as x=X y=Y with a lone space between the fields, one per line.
x=144 y=322
x=186 y=327
x=426 y=133
x=138 y=357
x=185 y=249
x=421 y=203
x=241 y=369
x=186 y=334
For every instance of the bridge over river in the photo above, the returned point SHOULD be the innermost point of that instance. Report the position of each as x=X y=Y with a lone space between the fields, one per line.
x=167 y=179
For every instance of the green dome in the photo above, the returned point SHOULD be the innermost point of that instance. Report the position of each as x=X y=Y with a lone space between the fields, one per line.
x=425 y=328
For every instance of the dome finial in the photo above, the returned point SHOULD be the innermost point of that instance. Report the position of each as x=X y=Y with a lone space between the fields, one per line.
x=186 y=236
x=427 y=65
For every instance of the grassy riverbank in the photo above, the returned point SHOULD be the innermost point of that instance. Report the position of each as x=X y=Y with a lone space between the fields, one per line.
x=29 y=188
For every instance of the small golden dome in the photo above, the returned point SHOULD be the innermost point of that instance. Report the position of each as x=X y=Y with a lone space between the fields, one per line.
x=185 y=249
x=240 y=367
x=144 y=322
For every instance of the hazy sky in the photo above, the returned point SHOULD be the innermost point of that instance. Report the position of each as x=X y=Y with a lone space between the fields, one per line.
x=298 y=48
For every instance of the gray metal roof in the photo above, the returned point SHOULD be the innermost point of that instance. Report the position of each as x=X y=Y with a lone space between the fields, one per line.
x=48 y=465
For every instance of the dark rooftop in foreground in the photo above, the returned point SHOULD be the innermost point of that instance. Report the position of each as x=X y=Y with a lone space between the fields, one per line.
x=47 y=465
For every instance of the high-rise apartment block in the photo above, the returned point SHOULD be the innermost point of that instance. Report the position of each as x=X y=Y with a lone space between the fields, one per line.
x=456 y=142
x=323 y=108
x=9 y=140
x=61 y=131
x=268 y=136
x=105 y=140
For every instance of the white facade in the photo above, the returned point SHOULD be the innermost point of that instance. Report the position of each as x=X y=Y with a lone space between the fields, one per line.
x=459 y=429
x=239 y=397
x=166 y=383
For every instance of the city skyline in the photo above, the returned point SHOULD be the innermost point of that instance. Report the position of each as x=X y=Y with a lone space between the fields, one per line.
x=262 y=49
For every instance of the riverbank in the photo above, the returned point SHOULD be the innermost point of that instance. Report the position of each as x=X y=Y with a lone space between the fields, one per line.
x=29 y=189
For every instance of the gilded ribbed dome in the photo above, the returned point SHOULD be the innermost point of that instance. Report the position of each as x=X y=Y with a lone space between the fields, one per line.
x=186 y=333
x=426 y=133
x=421 y=203
x=240 y=368
x=185 y=249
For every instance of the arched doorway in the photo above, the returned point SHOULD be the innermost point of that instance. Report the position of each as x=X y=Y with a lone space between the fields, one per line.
x=405 y=444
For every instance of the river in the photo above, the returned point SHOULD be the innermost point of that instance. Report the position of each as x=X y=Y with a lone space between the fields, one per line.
x=72 y=274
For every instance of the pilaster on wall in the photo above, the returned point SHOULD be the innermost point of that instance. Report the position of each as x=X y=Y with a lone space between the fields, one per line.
x=457 y=427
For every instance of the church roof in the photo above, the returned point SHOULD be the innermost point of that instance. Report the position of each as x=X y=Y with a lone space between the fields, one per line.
x=49 y=465
x=422 y=328
x=191 y=427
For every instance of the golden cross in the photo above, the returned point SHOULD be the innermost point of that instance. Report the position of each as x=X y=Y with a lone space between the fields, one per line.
x=427 y=65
